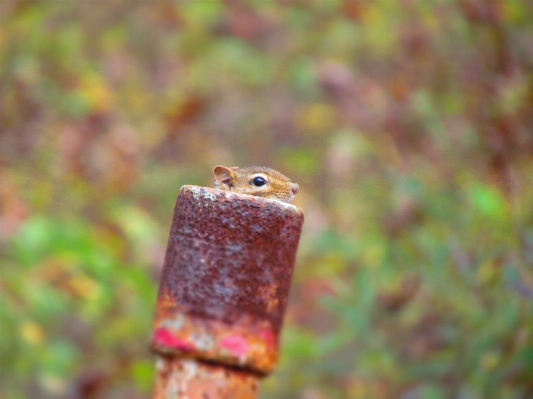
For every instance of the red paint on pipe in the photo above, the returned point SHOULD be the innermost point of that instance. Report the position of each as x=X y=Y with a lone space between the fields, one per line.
x=165 y=338
x=237 y=345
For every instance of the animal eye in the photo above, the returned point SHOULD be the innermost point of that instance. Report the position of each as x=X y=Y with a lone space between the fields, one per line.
x=259 y=181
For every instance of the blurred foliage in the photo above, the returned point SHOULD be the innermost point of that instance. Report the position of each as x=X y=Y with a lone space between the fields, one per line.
x=408 y=124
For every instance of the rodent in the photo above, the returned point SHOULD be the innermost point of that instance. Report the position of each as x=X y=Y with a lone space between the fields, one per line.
x=255 y=180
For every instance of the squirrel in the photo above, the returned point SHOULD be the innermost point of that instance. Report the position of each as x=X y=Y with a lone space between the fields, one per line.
x=255 y=180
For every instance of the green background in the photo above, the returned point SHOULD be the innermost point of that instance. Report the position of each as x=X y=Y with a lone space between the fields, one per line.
x=408 y=125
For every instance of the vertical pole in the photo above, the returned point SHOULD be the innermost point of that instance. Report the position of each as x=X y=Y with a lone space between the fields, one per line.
x=223 y=293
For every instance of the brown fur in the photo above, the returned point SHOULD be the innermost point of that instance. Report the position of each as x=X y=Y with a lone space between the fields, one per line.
x=240 y=180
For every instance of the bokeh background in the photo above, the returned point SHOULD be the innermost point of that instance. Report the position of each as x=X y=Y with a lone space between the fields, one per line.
x=407 y=123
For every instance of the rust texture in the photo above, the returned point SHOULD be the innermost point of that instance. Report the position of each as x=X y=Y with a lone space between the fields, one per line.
x=190 y=379
x=225 y=285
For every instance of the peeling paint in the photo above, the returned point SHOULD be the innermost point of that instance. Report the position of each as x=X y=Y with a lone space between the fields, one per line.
x=237 y=345
x=165 y=338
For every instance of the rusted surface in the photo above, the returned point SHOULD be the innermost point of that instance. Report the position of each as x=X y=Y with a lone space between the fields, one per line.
x=189 y=379
x=226 y=279
x=245 y=343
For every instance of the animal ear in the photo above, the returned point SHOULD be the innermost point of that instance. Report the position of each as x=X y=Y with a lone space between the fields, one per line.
x=223 y=174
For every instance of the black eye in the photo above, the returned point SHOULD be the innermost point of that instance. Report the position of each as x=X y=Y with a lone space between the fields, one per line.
x=259 y=181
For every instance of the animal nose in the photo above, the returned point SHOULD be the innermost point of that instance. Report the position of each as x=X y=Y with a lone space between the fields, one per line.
x=295 y=188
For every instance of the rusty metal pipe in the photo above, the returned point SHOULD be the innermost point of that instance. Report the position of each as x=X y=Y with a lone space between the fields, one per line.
x=223 y=293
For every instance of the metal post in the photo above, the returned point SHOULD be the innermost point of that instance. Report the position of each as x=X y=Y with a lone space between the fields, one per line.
x=223 y=293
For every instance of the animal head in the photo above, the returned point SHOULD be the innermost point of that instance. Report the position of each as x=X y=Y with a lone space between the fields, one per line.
x=255 y=180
